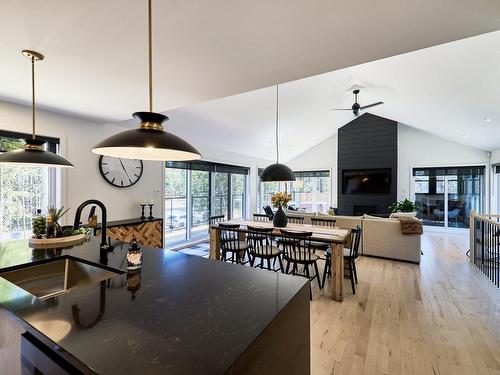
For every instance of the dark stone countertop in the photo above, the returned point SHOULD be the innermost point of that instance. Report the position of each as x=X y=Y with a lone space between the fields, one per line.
x=190 y=315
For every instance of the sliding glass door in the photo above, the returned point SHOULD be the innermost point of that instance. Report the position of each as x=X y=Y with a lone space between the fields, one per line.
x=194 y=191
x=445 y=196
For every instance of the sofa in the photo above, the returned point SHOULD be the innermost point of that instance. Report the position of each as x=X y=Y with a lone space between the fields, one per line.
x=380 y=237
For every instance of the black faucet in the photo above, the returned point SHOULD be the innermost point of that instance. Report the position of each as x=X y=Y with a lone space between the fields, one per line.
x=78 y=214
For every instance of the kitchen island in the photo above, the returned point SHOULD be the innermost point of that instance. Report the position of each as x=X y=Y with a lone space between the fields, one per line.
x=180 y=314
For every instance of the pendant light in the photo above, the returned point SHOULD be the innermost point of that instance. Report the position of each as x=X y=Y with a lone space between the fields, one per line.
x=148 y=141
x=33 y=154
x=277 y=172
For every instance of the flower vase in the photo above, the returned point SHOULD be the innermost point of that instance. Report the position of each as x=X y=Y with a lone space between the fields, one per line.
x=280 y=220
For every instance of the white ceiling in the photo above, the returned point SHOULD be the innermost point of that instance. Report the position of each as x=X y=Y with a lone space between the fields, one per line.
x=447 y=90
x=96 y=49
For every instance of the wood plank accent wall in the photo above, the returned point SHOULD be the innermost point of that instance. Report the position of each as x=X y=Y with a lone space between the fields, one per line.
x=148 y=234
x=368 y=142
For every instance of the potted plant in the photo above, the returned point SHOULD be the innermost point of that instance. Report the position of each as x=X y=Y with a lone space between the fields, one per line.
x=404 y=207
x=280 y=200
x=54 y=229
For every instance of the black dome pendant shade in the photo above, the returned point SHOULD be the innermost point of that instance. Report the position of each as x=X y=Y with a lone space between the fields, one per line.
x=277 y=172
x=33 y=154
x=149 y=141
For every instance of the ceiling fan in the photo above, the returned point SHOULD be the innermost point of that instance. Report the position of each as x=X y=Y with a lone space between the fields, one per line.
x=356 y=107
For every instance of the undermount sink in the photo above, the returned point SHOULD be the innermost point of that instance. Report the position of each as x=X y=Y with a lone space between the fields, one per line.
x=57 y=277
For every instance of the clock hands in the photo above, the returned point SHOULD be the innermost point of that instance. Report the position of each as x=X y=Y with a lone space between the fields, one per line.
x=126 y=173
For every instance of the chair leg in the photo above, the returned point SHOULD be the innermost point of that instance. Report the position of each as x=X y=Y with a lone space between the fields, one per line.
x=326 y=270
x=287 y=267
x=269 y=264
x=281 y=264
x=352 y=277
x=251 y=259
x=355 y=271
x=317 y=275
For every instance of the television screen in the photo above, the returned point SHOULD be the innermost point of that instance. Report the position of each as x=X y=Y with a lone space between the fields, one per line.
x=366 y=181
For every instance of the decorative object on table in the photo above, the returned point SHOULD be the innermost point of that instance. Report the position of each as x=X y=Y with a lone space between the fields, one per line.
x=134 y=256
x=149 y=141
x=119 y=172
x=277 y=171
x=402 y=208
x=33 y=153
x=280 y=200
x=150 y=204
x=331 y=211
x=143 y=206
x=54 y=229
x=39 y=224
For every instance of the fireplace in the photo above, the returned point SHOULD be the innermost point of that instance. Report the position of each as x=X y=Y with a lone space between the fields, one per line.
x=361 y=210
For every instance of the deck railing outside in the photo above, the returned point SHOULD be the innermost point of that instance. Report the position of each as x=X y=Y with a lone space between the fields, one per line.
x=485 y=244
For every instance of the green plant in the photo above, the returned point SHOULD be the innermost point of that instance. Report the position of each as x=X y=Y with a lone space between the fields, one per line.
x=57 y=213
x=73 y=232
x=405 y=205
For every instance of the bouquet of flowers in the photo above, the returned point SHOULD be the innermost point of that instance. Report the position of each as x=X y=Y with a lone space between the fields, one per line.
x=281 y=199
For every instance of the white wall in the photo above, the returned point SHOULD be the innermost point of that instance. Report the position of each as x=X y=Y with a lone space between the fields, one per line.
x=83 y=182
x=421 y=149
x=322 y=156
x=416 y=148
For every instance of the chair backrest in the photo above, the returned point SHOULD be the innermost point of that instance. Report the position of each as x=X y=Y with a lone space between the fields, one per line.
x=262 y=240
x=297 y=245
x=216 y=219
x=229 y=235
x=295 y=219
x=260 y=217
x=323 y=222
x=269 y=211
x=355 y=240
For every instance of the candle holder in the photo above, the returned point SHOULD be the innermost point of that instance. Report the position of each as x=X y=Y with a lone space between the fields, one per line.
x=150 y=211
x=143 y=206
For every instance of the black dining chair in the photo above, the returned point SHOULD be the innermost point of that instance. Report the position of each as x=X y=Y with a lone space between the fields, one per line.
x=295 y=219
x=322 y=222
x=216 y=219
x=263 y=248
x=261 y=217
x=299 y=252
x=231 y=242
x=269 y=211
x=350 y=255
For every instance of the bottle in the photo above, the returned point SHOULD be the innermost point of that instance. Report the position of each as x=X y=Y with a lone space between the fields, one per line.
x=39 y=224
x=134 y=256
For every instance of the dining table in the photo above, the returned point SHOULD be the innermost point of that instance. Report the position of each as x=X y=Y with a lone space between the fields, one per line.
x=334 y=236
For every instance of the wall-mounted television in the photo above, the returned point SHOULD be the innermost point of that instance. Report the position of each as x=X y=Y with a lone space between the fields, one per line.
x=366 y=181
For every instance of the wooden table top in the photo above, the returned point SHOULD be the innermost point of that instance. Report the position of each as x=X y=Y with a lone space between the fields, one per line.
x=319 y=233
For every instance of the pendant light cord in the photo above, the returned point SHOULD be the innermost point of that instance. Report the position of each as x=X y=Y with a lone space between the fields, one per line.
x=277 y=122
x=150 y=54
x=33 y=94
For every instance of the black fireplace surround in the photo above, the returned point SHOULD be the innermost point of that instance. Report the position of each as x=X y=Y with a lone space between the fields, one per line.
x=367 y=143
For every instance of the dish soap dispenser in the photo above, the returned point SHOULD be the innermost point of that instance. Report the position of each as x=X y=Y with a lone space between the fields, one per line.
x=134 y=256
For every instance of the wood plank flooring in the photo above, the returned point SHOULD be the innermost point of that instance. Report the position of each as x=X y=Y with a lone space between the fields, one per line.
x=442 y=317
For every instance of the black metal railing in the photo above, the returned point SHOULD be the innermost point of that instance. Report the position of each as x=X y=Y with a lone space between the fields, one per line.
x=485 y=242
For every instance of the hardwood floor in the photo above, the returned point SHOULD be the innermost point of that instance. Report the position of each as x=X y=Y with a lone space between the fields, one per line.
x=442 y=317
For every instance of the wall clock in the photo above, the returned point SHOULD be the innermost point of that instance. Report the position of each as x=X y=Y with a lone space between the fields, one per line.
x=120 y=172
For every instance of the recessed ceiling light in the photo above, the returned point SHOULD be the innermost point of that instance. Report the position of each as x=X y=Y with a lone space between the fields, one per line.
x=487 y=119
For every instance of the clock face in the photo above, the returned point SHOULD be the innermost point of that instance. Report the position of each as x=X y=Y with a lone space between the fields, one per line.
x=120 y=172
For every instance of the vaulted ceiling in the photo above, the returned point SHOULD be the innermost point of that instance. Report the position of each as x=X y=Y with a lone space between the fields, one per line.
x=96 y=49
x=447 y=90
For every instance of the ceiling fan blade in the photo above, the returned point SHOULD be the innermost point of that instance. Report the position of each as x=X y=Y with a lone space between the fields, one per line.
x=371 y=105
x=340 y=109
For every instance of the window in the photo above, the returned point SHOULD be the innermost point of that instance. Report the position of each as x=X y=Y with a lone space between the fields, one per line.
x=24 y=190
x=310 y=191
x=196 y=190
